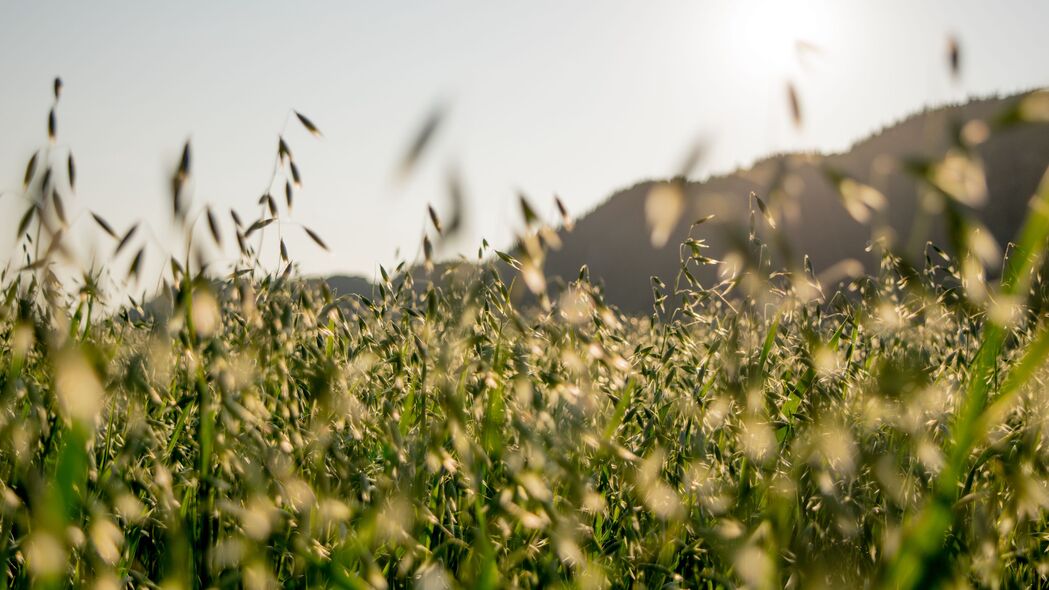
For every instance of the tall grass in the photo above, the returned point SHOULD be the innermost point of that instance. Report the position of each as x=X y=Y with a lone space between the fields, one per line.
x=258 y=430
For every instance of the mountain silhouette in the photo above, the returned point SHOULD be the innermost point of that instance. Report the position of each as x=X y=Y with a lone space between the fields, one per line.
x=614 y=239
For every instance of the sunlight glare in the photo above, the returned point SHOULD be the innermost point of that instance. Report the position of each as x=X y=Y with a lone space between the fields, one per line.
x=778 y=39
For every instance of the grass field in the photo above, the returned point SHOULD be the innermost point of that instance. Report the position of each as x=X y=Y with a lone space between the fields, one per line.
x=767 y=431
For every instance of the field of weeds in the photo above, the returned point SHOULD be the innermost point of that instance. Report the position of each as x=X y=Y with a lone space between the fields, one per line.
x=767 y=431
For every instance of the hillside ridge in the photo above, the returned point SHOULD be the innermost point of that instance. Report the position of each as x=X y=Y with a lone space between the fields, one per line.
x=614 y=241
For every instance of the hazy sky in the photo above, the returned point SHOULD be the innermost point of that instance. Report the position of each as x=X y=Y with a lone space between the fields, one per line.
x=573 y=98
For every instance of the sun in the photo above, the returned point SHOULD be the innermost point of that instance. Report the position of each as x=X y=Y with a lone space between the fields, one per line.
x=779 y=39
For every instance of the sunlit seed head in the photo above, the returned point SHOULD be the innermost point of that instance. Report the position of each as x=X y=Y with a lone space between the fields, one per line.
x=162 y=477
x=850 y=268
x=576 y=305
x=228 y=552
x=974 y=280
x=533 y=247
x=550 y=237
x=984 y=246
x=533 y=276
x=331 y=510
x=79 y=390
x=651 y=467
x=619 y=363
x=432 y=576
x=533 y=520
x=720 y=503
x=860 y=199
x=961 y=177
x=173 y=583
x=975 y=132
x=931 y=456
x=732 y=264
x=755 y=397
x=825 y=360
x=825 y=483
x=758 y=440
x=593 y=502
x=1032 y=495
x=717 y=412
x=935 y=401
x=299 y=494
x=699 y=478
x=1035 y=106
x=783 y=485
x=664 y=205
x=130 y=508
x=75 y=536
x=729 y=529
x=889 y=318
x=257 y=518
x=573 y=362
x=22 y=339
x=107 y=581
x=396 y=520
x=1006 y=310
x=22 y=441
x=755 y=285
x=524 y=394
x=592 y=577
x=874 y=411
x=661 y=499
x=1006 y=524
x=10 y=499
x=805 y=290
x=595 y=351
x=107 y=539
x=256 y=576
x=568 y=549
x=754 y=566
x=205 y=313
x=45 y=555
x=363 y=362
x=838 y=449
x=536 y=487
x=609 y=318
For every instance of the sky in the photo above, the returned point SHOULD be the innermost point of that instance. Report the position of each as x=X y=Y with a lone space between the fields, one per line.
x=577 y=99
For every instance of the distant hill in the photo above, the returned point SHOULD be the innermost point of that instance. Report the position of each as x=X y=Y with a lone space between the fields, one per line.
x=350 y=285
x=614 y=240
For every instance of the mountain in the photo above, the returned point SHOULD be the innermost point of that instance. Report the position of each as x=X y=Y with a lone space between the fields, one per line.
x=350 y=285
x=615 y=242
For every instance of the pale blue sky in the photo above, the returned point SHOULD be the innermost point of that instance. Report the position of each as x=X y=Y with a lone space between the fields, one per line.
x=573 y=98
